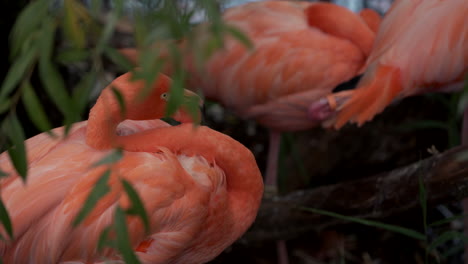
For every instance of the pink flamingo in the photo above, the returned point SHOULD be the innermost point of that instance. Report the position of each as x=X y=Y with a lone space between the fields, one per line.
x=201 y=189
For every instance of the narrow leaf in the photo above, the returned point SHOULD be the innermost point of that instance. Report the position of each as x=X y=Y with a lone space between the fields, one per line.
x=17 y=72
x=423 y=202
x=68 y=56
x=423 y=124
x=448 y=220
x=34 y=108
x=123 y=239
x=99 y=190
x=5 y=219
x=120 y=99
x=104 y=239
x=111 y=158
x=137 y=204
x=82 y=91
x=445 y=237
x=397 y=229
x=118 y=58
x=3 y=174
x=71 y=24
x=240 y=36
x=17 y=152
x=5 y=105
x=27 y=22
x=50 y=76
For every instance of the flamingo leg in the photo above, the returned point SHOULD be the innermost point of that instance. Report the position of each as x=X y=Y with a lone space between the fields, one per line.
x=282 y=252
x=272 y=163
x=271 y=187
x=464 y=203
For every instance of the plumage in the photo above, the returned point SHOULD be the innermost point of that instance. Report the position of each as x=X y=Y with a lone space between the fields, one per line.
x=200 y=188
x=421 y=47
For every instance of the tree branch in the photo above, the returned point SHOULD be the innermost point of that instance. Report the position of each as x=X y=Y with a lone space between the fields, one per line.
x=445 y=178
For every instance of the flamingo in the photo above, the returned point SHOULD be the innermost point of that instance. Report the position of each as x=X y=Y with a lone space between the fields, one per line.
x=302 y=51
x=201 y=189
x=421 y=47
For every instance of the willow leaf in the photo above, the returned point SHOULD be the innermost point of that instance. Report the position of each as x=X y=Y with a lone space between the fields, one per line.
x=17 y=152
x=123 y=238
x=137 y=204
x=99 y=190
x=34 y=108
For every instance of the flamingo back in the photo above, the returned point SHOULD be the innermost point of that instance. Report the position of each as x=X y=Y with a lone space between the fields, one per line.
x=289 y=58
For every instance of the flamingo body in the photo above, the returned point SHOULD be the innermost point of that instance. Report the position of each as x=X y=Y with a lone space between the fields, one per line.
x=201 y=190
x=298 y=56
x=421 y=47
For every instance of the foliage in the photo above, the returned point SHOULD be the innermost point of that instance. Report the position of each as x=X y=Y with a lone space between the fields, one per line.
x=48 y=35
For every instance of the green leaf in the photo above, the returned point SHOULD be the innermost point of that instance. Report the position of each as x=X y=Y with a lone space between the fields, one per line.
x=423 y=201
x=50 y=77
x=123 y=239
x=27 y=22
x=17 y=152
x=71 y=25
x=447 y=220
x=55 y=88
x=82 y=90
x=176 y=95
x=5 y=219
x=5 y=105
x=397 y=229
x=240 y=36
x=423 y=124
x=104 y=239
x=137 y=205
x=455 y=249
x=34 y=108
x=16 y=72
x=118 y=58
x=177 y=86
x=111 y=158
x=107 y=32
x=99 y=190
x=445 y=237
x=120 y=99
x=3 y=174
x=68 y=56
x=463 y=101
x=46 y=40
x=96 y=7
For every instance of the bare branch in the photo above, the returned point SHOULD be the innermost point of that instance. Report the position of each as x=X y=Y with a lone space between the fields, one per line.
x=445 y=177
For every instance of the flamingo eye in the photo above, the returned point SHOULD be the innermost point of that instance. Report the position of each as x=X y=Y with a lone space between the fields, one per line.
x=165 y=96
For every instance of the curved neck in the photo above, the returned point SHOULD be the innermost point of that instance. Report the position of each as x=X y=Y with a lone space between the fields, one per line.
x=107 y=113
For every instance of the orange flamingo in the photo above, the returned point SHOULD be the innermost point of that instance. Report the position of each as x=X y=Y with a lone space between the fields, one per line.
x=201 y=189
x=421 y=47
x=302 y=51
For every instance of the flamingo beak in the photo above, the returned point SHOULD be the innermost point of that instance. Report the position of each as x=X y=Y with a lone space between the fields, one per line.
x=190 y=110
